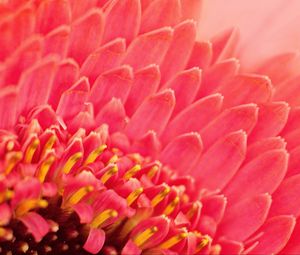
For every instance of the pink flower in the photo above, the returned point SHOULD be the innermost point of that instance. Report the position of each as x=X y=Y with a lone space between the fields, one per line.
x=121 y=133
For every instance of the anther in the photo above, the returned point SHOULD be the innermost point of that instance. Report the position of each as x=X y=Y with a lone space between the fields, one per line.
x=12 y=161
x=192 y=211
x=95 y=154
x=113 y=159
x=103 y=216
x=31 y=150
x=152 y=172
x=6 y=195
x=79 y=194
x=30 y=204
x=44 y=168
x=170 y=208
x=204 y=242
x=109 y=173
x=49 y=144
x=71 y=162
x=131 y=172
x=173 y=241
x=134 y=195
x=143 y=237
x=160 y=196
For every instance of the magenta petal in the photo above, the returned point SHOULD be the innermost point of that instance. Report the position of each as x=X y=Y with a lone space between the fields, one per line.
x=131 y=248
x=285 y=198
x=183 y=152
x=103 y=59
x=122 y=20
x=8 y=109
x=36 y=225
x=180 y=49
x=114 y=83
x=214 y=206
x=201 y=55
x=5 y=214
x=261 y=175
x=85 y=212
x=276 y=233
x=95 y=241
x=231 y=247
x=79 y=8
x=153 y=114
x=149 y=48
x=160 y=13
x=250 y=213
x=146 y=81
x=293 y=246
x=86 y=35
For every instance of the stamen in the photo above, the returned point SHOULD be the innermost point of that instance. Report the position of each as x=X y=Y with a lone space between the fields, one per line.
x=72 y=161
x=160 y=196
x=102 y=217
x=10 y=145
x=204 y=242
x=173 y=241
x=143 y=237
x=152 y=172
x=6 y=195
x=49 y=144
x=44 y=168
x=134 y=195
x=108 y=174
x=14 y=158
x=30 y=204
x=192 y=211
x=131 y=172
x=79 y=194
x=95 y=154
x=31 y=150
x=113 y=159
x=170 y=208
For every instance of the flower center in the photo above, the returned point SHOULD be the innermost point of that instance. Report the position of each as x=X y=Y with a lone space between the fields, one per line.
x=63 y=194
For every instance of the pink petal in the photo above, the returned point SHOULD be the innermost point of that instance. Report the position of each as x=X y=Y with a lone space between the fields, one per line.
x=46 y=21
x=218 y=74
x=84 y=211
x=277 y=232
x=146 y=81
x=262 y=174
x=250 y=213
x=214 y=206
x=246 y=88
x=71 y=101
x=180 y=49
x=36 y=225
x=153 y=114
x=224 y=44
x=221 y=161
x=185 y=85
x=292 y=139
x=236 y=118
x=264 y=145
x=272 y=118
x=230 y=246
x=201 y=55
x=149 y=48
x=103 y=59
x=113 y=114
x=35 y=84
x=183 y=152
x=8 y=109
x=122 y=20
x=294 y=162
x=95 y=241
x=131 y=248
x=66 y=75
x=79 y=8
x=57 y=41
x=288 y=91
x=148 y=145
x=114 y=83
x=293 y=245
x=280 y=67
x=293 y=121
x=86 y=35
x=285 y=198
x=160 y=13
x=191 y=9
x=5 y=214
x=194 y=117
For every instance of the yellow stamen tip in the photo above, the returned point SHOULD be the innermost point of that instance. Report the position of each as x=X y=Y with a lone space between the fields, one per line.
x=13 y=160
x=31 y=150
x=30 y=204
x=134 y=195
x=113 y=159
x=104 y=216
x=160 y=196
x=44 y=168
x=173 y=240
x=49 y=144
x=143 y=237
x=79 y=194
x=152 y=172
x=108 y=174
x=131 y=172
x=170 y=208
x=71 y=162
x=95 y=154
